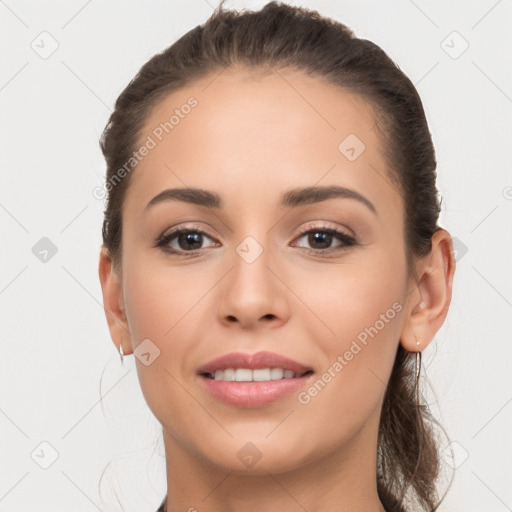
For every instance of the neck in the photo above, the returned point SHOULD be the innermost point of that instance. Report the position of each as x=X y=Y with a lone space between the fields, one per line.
x=343 y=480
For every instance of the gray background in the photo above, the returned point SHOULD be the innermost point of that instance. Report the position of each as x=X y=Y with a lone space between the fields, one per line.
x=55 y=345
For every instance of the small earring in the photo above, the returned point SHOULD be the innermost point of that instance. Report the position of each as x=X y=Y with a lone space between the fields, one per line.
x=121 y=353
x=417 y=364
x=422 y=305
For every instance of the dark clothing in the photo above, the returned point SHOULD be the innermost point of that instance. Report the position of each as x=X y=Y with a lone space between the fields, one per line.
x=162 y=507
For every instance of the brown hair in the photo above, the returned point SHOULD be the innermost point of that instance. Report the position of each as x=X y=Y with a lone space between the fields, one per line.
x=279 y=36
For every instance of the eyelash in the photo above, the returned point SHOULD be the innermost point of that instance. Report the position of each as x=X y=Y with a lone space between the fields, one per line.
x=347 y=240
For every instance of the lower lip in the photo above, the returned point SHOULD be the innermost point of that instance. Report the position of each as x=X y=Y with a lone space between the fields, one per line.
x=253 y=394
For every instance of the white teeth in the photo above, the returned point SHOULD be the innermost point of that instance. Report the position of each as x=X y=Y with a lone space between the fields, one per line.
x=261 y=374
x=243 y=375
x=229 y=374
x=276 y=373
x=258 y=375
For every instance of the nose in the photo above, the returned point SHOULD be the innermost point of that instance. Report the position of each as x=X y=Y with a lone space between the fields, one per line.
x=254 y=292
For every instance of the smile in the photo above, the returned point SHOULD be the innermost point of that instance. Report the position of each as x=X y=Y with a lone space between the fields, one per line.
x=258 y=375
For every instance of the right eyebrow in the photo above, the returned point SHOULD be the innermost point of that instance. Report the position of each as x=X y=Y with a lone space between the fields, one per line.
x=196 y=196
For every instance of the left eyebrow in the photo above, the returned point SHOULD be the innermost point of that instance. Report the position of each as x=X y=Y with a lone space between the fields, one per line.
x=289 y=199
x=309 y=195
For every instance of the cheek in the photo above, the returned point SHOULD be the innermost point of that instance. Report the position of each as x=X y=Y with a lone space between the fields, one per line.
x=157 y=299
x=345 y=300
x=159 y=303
x=354 y=319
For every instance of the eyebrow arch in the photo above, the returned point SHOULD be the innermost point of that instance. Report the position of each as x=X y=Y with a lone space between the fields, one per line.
x=291 y=198
x=309 y=195
x=196 y=196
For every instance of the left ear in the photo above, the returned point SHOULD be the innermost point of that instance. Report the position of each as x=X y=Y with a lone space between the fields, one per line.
x=431 y=296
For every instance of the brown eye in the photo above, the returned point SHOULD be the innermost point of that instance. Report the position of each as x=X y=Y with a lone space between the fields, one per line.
x=321 y=239
x=189 y=240
x=182 y=241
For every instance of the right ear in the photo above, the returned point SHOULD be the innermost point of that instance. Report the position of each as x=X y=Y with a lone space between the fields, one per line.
x=113 y=303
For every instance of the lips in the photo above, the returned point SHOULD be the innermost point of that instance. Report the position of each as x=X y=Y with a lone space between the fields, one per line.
x=260 y=360
x=253 y=380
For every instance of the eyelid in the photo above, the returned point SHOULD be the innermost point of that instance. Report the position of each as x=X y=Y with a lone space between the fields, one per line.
x=325 y=225
x=188 y=227
x=347 y=240
x=308 y=227
x=163 y=240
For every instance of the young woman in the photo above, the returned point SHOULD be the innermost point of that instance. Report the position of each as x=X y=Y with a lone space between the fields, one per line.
x=272 y=257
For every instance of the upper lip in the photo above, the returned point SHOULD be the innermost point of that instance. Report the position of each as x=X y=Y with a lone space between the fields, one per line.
x=253 y=362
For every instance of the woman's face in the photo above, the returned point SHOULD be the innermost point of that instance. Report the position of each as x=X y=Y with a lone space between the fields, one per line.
x=260 y=273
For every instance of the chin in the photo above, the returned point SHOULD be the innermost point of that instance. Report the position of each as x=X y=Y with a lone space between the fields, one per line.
x=257 y=455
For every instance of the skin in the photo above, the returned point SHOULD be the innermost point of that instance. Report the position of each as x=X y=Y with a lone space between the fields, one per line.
x=251 y=137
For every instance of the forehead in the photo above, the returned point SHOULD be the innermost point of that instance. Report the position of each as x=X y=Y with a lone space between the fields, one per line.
x=260 y=131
